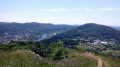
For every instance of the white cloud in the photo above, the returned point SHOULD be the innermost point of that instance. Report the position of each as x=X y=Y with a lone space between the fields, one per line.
x=88 y=9
x=55 y=10
x=108 y=9
x=65 y=9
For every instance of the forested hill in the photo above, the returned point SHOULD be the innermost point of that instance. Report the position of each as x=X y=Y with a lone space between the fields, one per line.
x=31 y=27
x=90 y=32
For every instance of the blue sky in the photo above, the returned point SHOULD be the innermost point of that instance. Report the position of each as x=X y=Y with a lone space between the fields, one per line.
x=105 y=12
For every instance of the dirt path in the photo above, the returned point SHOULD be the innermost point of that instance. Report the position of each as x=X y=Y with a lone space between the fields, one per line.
x=100 y=62
x=90 y=55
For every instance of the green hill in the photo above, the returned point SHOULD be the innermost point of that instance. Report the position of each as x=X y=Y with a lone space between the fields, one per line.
x=33 y=27
x=91 y=31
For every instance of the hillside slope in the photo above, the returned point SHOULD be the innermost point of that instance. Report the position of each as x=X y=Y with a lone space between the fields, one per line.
x=91 y=31
x=88 y=32
x=33 y=26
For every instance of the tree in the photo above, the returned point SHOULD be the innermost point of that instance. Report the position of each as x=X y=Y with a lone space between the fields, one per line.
x=57 y=50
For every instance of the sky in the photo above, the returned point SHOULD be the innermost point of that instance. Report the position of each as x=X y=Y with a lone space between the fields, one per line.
x=77 y=12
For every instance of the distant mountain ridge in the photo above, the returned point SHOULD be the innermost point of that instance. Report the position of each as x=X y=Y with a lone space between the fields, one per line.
x=14 y=27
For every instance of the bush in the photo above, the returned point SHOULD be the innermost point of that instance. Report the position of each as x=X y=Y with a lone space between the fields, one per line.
x=57 y=51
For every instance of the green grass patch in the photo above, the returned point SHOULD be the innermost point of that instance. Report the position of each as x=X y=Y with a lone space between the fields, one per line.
x=20 y=58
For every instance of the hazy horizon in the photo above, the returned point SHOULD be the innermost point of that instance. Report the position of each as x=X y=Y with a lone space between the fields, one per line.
x=70 y=12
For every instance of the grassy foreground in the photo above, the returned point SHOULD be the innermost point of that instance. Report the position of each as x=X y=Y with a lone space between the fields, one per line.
x=111 y=62
x=22 y=58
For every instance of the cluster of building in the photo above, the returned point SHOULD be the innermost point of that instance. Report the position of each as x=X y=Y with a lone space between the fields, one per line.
x=16 y=37
x=99 y=42
x=53 y=34
x=21 y=37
